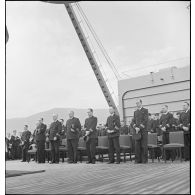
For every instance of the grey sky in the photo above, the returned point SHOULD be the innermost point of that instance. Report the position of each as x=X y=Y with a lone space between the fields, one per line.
x=47 y=67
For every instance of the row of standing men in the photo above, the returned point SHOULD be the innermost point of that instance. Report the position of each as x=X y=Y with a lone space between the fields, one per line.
x=141 y=123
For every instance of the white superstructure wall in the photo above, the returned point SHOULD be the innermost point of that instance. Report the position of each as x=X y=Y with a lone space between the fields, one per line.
x=169 y=86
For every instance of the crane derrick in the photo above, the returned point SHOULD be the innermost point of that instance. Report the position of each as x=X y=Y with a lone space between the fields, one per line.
x=88 y=52
x=90 y=56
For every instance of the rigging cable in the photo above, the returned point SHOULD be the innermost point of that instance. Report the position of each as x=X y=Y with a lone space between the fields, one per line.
x=111 y=64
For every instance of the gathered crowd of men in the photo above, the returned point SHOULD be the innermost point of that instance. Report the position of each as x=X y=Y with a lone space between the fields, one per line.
x=142 y=124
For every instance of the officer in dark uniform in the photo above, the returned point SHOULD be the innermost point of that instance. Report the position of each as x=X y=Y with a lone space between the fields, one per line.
x=7 y=149
x=40 y=140
x=184 y=123
x=18 y=142
x=54 y=138
x=165 y=125
x=113 y=132
x=15 y=142
x=25 y=142
x=139 y=123
x=91 y=136
x=73 y=127
x=124 y=130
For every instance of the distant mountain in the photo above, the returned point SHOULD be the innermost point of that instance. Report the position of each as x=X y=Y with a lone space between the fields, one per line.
x=18 y=123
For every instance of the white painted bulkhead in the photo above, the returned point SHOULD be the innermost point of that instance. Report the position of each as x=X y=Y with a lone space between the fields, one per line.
x=169 y=86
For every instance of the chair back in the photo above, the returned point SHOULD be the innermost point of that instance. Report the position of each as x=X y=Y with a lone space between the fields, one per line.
x=152 y=139
x=176 y=137
x=160 y=138
x=32 y=149
x=125 y=140
x=47 y=145
x=81 y=143
x=103 y=141
x=64 y=142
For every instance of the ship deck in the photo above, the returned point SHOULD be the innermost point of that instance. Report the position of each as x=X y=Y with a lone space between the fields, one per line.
x=100 y=178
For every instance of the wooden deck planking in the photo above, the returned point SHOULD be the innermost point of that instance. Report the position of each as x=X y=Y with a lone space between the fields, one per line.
x=101 y=178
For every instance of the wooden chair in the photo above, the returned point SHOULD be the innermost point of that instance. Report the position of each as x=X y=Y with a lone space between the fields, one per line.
x=176 y=140
x=63 y=149
x=152 y=144
x=48 y=151
x=32 y=152
x=102 y=147
x=159 y=138
x=81 y=148
x=125 y=145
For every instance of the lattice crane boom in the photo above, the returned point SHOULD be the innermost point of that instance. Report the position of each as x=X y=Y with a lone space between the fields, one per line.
x=90 y=56
x=88 y=52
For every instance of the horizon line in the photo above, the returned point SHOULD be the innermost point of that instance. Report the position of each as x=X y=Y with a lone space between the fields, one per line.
x=52 y=109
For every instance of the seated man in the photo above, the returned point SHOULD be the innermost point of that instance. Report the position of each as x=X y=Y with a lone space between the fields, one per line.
x=25 y=142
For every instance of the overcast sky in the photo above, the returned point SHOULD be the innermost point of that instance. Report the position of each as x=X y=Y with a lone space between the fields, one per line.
x=47 y=67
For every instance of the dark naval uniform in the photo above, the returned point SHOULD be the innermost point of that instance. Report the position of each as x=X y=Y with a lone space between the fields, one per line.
x=40 y=142
x=54 y=132
x=6 y=148
x=25 y=140
x=166 y=121
x=141 y=148
x=90 y=125
x=184 y=121
x=73 y=138
x=113 y=121
x=15 y=142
